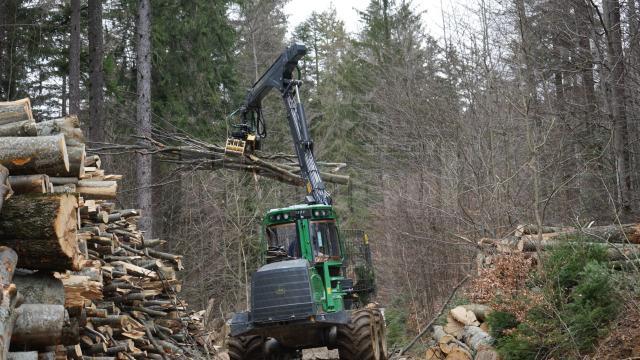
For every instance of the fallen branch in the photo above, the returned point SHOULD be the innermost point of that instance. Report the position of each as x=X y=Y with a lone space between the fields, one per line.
x=430 y=323
x=193 y=154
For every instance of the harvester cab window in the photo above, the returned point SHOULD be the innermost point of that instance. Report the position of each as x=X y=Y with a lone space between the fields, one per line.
x=324 y=236
x=283 y=242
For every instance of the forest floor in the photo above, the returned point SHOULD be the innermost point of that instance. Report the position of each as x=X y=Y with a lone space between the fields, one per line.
x=309 y=354
x=624 y=340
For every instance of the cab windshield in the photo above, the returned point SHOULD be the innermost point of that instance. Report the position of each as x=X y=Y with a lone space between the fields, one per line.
x=324 y=237
x=283 y=242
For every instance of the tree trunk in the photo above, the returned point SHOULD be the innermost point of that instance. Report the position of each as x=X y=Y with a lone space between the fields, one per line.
x=8 y=313
x=96 y=77
x=64 y=96
x=530 y=105
x=584 y=61
x=42 y=230
x=34 y=155
x=619 y=116
x=74 y=59
x=143 y=115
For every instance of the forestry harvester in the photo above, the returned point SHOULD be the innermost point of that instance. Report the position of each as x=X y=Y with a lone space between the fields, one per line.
x=313 y=287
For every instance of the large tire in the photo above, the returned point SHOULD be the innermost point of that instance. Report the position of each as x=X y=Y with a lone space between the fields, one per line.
x=359 y=340
x=245 y=348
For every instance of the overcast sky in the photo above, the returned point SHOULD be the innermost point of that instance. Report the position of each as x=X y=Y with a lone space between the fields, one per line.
x=299 y=10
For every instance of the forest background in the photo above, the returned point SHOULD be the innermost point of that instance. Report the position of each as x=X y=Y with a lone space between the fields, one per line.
x=521 y=111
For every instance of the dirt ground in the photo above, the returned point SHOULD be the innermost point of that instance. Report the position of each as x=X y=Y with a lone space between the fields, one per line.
x=624 y=340
x=310 y=354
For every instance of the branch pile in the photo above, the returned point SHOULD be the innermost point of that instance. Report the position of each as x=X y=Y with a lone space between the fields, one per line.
x=189 y=153
x=79 y=280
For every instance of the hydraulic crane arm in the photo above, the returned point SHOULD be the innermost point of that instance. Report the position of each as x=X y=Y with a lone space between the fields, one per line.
x=279 y=76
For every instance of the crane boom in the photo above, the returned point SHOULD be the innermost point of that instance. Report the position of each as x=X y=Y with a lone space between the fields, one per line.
x=279 y=76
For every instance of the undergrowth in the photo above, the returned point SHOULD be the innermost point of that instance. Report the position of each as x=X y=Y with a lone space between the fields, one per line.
x=580 y=297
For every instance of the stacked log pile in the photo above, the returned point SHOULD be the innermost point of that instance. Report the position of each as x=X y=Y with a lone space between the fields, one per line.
x=465 y=336
x=621 y=242
x=79 y=280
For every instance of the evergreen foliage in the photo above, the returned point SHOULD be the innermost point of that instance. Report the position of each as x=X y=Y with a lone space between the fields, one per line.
x=581 y=298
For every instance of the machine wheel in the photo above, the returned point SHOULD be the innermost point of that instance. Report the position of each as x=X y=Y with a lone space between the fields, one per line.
x=360 y=339
x=246 y=348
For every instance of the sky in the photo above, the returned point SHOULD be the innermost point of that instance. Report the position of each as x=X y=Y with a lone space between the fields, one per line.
x=299 y=10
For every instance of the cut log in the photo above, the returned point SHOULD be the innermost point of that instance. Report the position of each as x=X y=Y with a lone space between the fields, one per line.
x=434 y=353
x=453 y=327
x=486 y=353
x=39 y=325
x=615 y=251
x=12 y=111
x=627 y=233
x=79 y=288
x=475 y=337
x=458 y=353
x=76 y=155
x=530 y=229
x=464 y=316
x=19 y=128
x=34 y=155
x=57 y=181
x=67 y=126
x=447 y=344
x=93 y=160
x=23 y=355
x=480 y=311
x=92 y=189
x=69 y=188
x=74 y=352
x=8 y=301
x=40 y=288
x=505 y=245
x=42 y=230
x=5 y=186
x=29 y=184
